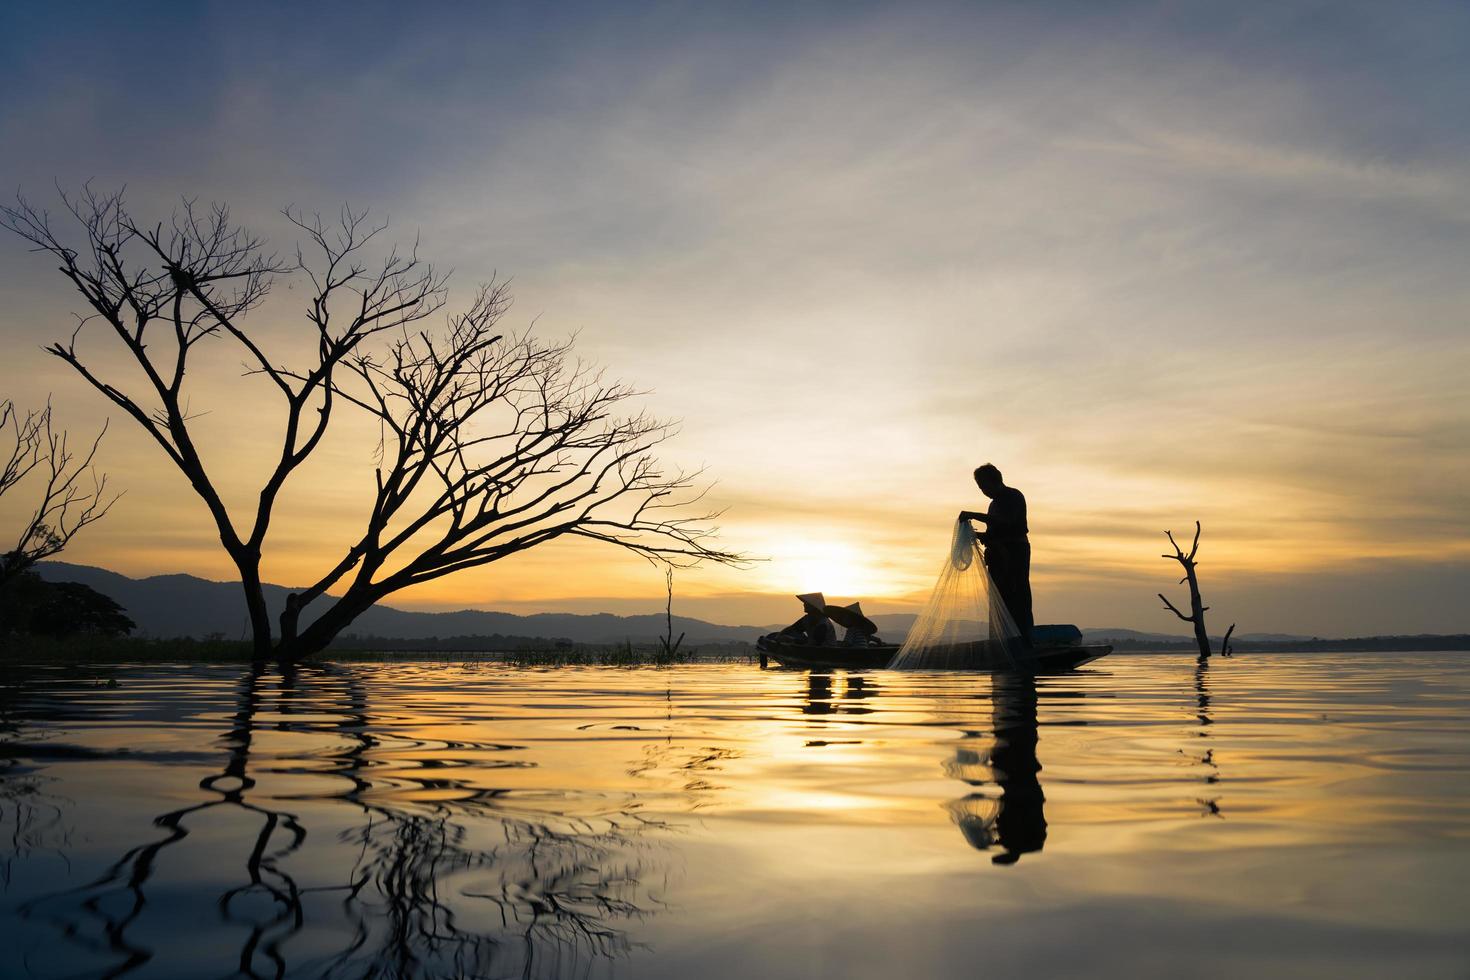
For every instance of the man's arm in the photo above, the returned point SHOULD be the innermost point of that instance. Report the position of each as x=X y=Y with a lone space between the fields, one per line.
x=974 y=515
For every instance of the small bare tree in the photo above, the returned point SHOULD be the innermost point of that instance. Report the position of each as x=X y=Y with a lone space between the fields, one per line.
x=491 y=443
x=1197 y=608
x=72 y=493
x=667 y=645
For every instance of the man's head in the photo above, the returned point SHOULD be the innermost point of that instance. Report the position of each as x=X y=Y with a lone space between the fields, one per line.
x=987 y=478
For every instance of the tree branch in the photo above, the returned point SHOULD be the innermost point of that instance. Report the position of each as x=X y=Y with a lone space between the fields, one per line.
x=1170 y=605
x=65 y=506
x=489 y=443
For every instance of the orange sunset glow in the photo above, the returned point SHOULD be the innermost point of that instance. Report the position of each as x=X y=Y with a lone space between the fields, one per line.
x=1083 y=278
x=668 y=489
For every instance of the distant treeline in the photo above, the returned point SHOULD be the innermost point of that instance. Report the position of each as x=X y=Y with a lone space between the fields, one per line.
x=484 y=643
x=1362 y=644
x=503 y=643
x=506 y=643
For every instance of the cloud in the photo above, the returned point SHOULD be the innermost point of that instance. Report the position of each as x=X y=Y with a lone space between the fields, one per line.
x=1159 y=261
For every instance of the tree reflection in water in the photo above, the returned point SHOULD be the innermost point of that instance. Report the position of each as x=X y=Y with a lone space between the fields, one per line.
x=31 y=817
x=98 y=916
x=1210 y=805
x=1015 y=817
x=553 y=888
x=447 y=879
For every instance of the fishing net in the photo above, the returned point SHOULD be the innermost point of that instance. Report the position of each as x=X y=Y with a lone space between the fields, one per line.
x=965 y=626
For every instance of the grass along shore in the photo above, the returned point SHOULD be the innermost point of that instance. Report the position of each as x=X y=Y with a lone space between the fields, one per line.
x=127 y=649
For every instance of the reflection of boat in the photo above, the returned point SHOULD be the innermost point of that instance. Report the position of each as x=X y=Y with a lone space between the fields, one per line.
x=978 y=655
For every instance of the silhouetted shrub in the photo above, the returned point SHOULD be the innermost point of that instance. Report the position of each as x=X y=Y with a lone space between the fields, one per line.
x=29 y=604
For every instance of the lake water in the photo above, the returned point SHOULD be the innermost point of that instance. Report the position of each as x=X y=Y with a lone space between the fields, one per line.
x=1272 y=815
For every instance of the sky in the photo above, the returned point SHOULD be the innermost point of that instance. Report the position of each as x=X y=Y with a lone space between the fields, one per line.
x=1159 y=262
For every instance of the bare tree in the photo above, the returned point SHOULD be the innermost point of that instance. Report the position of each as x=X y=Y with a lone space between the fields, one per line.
x=72 y=493
x=1197 y=608
x=491 y=442
x=667 y=645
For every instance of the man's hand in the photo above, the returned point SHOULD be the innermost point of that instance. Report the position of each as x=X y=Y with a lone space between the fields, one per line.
x=971 y=515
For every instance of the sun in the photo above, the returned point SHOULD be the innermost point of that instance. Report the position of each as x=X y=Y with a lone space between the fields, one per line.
x=829 y=566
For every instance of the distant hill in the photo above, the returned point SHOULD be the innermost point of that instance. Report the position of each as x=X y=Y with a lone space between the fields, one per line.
x=184 y=605
x=1117 y=636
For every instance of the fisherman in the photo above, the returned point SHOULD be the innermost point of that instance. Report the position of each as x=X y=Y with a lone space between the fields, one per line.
x=814 y=627
x=1007 y=548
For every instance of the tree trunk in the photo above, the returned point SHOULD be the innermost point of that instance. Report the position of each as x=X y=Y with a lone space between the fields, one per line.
x=1197 y=608
x=324 y=630
x=260 y=619
x=290 y=617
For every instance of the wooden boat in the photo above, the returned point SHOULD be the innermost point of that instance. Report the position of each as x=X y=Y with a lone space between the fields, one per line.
x=1045 y=659
x=806 y=656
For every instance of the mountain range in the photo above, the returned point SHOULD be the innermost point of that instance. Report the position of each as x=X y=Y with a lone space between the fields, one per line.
x=168 y=606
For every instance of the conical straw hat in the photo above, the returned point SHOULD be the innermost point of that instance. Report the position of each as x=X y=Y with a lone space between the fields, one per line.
x=815 y=600
x=851 y=617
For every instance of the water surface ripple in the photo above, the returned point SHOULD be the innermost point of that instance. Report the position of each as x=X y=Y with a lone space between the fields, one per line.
x=1267 y=815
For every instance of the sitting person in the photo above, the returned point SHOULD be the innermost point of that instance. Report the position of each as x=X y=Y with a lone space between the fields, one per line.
x=860 y=631
x=813 y=627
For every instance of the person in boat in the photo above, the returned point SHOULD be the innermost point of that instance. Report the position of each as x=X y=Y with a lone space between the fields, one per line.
x=859 y=630
x=1007 y=547
x=813 y=627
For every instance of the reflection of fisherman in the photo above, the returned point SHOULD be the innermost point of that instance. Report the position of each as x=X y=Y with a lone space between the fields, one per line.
x=1007 y=548
x=1017 y=820
x=813 y=627
x=1021 y=824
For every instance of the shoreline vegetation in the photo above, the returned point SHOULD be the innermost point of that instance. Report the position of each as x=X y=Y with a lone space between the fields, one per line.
x=1409 y=643
x=130 y=649
x=532 y=652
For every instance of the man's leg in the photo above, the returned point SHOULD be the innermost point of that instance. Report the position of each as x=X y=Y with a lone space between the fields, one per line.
x=1021 y=610
x=1003 y=573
